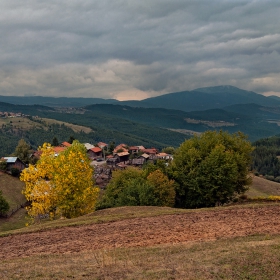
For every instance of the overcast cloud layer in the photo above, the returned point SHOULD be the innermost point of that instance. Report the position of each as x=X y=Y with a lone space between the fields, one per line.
x=128 y=49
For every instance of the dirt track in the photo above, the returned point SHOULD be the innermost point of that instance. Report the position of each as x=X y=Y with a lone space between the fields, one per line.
x=203 y=225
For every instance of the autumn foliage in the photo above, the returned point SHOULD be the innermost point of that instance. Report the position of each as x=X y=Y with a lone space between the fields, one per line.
x=60 y=185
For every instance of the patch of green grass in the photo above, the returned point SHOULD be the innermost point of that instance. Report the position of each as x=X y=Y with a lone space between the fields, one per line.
x=11 y=188
x=16 y=221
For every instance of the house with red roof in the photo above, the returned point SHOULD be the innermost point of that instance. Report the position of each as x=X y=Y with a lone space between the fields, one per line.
x=94 y=152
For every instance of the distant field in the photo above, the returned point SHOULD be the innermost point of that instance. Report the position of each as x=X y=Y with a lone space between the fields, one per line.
x=263 y=188
x=27 y=124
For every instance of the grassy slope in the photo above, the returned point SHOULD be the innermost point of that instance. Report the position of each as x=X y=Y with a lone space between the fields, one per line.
x=12 y=192
x=11 y=188
x=27 y=124
x=253 y=257
x=263 y=188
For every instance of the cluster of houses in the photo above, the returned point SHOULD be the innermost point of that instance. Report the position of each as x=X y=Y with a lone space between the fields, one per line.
x=11 y=115
x=121 y=156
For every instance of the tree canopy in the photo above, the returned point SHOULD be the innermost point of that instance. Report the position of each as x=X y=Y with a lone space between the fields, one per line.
x=211 y=169
x=23 y=151
x=135 y=187
x=60 y=185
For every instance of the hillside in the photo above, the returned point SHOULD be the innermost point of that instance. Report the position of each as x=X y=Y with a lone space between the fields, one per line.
x=205 y=99
x=11 y=188
x=198 y=244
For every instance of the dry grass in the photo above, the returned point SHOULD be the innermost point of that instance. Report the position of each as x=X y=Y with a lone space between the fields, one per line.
x=27 y=124
x=263 y=188
x=255 y=257
x=20 y=123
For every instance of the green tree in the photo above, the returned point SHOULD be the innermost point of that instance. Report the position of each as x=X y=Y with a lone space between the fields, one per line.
x=71 y=139
x=133 y=186
x=55 y=142
x=62 y=185
x=23 y=151
x=169 y=150
x=4 y=205
x=211 y=169
x=164 y=189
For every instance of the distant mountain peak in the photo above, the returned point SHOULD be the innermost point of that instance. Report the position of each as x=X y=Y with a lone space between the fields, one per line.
x=221 y=88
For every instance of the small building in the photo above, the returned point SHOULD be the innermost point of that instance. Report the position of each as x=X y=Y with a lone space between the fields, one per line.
x=14 y=162
x=102 y=145
x=137 y=161
x=133 y=149
x=94 y=152
x=88 y=146
x=164 y=156
x=122 y=157
x=144 y=156
x=151 y=151
x=120 y=148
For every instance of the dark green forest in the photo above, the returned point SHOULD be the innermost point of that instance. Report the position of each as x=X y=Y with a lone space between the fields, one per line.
x=265 y=158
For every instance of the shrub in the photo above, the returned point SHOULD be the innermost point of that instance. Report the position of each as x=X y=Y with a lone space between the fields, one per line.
x=4 y=205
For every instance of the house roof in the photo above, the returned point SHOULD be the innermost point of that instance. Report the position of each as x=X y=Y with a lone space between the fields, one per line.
x=96 y=150
x=141 y=147
x=58 y=150
x=65 y=144
x=162 y=155
x=133 y=148
x=145 y=156
x=88 y=146
x=150 y=151
x=122 y=154
x=10 y=159
x=120 y=147
x=102 y=145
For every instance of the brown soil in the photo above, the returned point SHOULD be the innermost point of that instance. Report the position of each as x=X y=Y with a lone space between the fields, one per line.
x=167 y=229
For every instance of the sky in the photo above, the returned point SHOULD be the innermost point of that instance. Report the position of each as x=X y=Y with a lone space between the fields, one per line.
x=131 y=49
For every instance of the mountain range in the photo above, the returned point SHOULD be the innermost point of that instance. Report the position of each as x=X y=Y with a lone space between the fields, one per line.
x=161 y=121
x=195 y=100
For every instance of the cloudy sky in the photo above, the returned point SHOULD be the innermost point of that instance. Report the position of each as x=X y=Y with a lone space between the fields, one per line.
x=131 y=49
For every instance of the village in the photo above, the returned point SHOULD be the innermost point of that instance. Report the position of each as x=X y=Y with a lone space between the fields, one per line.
x=103 y=157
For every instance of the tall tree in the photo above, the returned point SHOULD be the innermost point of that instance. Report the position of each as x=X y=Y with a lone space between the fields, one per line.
x=23 y=151
x=211 y=169
x=62 y=185
x=55 y=142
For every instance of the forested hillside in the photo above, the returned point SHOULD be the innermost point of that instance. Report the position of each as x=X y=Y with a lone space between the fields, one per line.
x=266 y=157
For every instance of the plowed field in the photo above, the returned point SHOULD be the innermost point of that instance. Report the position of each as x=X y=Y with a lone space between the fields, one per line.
x=167 y=229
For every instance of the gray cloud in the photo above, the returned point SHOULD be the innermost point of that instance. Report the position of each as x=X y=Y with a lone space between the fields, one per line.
x=134 y=49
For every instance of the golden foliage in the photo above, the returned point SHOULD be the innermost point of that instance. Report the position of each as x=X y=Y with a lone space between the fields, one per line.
x=60 y=185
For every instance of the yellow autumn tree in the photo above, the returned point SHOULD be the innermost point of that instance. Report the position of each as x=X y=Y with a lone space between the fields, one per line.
x=60 y=185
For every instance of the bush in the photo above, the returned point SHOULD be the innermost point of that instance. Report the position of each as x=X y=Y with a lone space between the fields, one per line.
x=4 y=205
x=134 y=187
x=15 y=171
